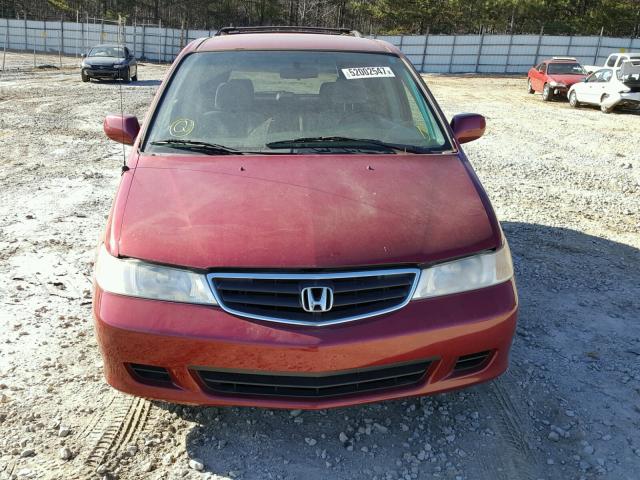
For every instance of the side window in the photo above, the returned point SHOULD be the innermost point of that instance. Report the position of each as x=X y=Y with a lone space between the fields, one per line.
x=620 y=60
x=543 y=68
x=416 y=116
x=606 y=75
x=595 y=77
x=612 y=60
x=421 y=116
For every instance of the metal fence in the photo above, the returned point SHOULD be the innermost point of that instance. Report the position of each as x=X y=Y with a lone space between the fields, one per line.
x=429 y=53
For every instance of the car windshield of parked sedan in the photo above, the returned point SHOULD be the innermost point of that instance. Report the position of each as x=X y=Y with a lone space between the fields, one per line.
x=292 y=102
x=565 y=69
x=115 y=52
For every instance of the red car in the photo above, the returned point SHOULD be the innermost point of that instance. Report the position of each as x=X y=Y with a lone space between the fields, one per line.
x=554 y=77
x=297 y=226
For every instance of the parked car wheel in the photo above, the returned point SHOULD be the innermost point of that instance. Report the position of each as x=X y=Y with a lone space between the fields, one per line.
x=547 y=94
x=603 y=108
x=529 y=87
x=126 y=76
x=573 y=100
x=84 y=77
x=135 y=77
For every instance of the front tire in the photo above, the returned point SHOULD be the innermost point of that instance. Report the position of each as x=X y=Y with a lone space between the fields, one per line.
x=547 y=94
x=126 y=76
x=84 y=76
x=530 y=89
x=604 y=109
x=573 y=100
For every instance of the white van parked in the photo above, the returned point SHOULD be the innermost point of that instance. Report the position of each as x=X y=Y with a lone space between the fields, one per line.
x=614 y=60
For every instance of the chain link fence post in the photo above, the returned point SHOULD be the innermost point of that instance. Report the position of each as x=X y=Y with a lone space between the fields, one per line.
x=479 y=49
x=61 y=41
x=535 y=62
x=453 y=52
x=595 y=58
x=6 y=44
x=424 y=51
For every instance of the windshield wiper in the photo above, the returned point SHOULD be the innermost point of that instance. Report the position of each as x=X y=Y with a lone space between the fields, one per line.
x=197 y=146
x=345 y=142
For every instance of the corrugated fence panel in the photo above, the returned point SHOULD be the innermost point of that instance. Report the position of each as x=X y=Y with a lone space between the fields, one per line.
x=487 y=53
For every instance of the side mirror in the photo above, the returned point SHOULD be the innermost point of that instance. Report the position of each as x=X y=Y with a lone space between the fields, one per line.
x=121 y=128
x=83 y=55
x=468 y=127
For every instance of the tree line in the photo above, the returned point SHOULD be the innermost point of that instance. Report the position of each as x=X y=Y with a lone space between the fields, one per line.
x=615 y=17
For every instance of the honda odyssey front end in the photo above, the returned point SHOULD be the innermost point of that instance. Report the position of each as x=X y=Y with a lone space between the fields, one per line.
x=297 y=226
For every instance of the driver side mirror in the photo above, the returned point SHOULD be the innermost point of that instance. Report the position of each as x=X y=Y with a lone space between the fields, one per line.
x=121 y=128
x=468 y=127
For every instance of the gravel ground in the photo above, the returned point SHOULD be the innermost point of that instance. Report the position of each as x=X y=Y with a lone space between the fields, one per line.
x=566 y=185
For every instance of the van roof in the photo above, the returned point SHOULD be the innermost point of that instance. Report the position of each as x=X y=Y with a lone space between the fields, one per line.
x=293 y=41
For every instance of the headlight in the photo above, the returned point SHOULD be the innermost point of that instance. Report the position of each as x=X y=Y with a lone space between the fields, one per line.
x=140 y=279
x=557 y=84
x=466 y=274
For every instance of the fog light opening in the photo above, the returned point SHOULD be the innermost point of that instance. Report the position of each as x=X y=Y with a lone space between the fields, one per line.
x=472 y=363
x=151 y=375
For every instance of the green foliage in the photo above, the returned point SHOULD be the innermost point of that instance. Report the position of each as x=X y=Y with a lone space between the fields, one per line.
x=617 y=17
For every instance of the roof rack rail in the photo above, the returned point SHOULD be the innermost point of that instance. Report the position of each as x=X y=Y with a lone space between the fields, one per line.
x=287 y=29
x=564 y=58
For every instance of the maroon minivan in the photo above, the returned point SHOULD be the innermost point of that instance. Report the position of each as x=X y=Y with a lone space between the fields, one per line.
x=297 y=226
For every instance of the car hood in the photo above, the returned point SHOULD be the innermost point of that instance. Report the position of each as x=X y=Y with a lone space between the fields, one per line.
x=316 y=211
x=103 y=60
x=567 y=79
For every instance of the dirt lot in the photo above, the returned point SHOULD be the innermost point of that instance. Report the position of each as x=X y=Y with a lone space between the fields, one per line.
x=566 y=185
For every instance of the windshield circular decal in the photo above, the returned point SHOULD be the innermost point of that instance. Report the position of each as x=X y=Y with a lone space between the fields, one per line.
x=181 y=127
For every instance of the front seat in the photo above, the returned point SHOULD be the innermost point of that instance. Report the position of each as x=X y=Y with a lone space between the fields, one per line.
x=233 y=115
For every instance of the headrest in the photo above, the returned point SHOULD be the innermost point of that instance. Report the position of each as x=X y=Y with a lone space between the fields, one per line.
x=326 y=89
x=347 y=92
x=234 y=95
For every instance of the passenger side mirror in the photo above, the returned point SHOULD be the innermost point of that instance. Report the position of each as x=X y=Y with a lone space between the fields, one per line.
x=468 y=127
x=121 y=128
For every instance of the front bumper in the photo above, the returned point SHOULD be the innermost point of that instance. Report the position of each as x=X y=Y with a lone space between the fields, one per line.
x=104 y=73
x=183 y=338
x=560 y=91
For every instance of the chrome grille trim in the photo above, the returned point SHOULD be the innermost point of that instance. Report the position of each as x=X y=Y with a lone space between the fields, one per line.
x=311 y=277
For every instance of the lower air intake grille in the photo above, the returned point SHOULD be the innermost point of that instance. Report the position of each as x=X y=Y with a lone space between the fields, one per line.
x=470 y=363
x=334 y=297
x=314 y=386
x=151 y=375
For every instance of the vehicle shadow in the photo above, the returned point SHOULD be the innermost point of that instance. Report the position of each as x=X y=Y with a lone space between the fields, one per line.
x=568 y=282
x=139 y=83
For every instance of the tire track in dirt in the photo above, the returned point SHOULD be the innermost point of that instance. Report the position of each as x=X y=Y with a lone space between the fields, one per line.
x=123 y=420
x=517 y=458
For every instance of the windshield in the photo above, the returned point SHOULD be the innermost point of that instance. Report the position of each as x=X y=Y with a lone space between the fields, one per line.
x=284 y=102
x=565 y=69
x=115 y=52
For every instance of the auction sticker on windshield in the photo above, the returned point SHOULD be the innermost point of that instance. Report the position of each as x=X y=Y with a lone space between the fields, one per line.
x=367 y=72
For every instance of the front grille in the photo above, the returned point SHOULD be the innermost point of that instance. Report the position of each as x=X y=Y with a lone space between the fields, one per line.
x=279 y=297
x=314 y=386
